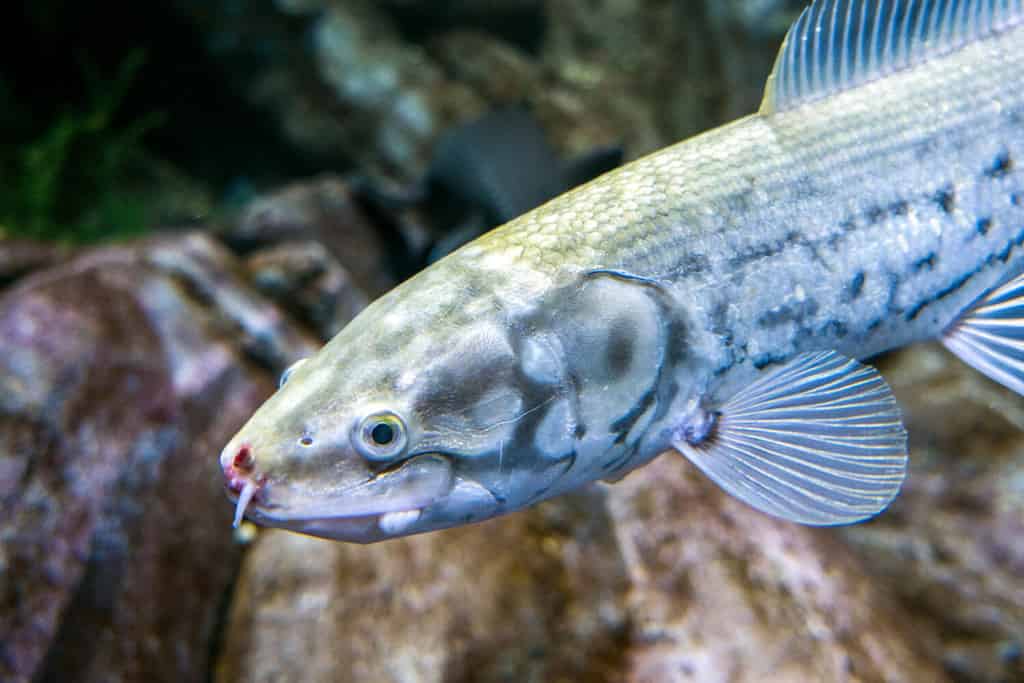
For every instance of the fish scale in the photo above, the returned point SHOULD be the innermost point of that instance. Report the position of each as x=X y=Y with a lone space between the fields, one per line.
x=827 y=174
x=713 y=299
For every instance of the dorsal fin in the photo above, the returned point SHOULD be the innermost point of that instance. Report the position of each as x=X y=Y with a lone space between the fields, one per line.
x=839 y=44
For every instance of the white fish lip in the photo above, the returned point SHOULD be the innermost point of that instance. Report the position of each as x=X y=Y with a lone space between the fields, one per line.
x=397 y=522
x=411 y=486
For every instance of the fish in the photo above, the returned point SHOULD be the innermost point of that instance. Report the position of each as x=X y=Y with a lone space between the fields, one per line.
x=719 y=299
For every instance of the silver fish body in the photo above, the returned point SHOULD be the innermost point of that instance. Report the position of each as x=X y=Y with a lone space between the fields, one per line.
x=588 y=336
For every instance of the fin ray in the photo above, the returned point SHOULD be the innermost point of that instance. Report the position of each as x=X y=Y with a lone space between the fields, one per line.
x=818 y=441
x=836 y=45
x=989 y=336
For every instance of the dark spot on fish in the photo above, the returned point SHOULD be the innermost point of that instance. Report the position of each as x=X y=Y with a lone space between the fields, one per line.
x=890 y=299
x=983 y=226
x=1002 y=256
x=458 y=388
x=1017 y=241
x=835 y=329
x=717 y=317
x=737 y=203
x=626 y=422
x=620 y=349
x=725 y=367
x=875 y=215
x=916 y=309
x=925 y=149
x=803 y=187
x=928 y=262
x=800 y=239
x=899 y=208
x=756 y=253
x=1001 y=165
x=692 y=264
x=1017 y=199
x=788 y=313
x=945 y=198
x=623 y=460
x=855 y=288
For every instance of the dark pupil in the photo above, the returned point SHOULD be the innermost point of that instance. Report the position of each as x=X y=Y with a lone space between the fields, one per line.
x=382 y=434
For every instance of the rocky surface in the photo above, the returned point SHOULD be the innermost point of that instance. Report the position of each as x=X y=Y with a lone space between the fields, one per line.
x=123 y=373
x=321 y=211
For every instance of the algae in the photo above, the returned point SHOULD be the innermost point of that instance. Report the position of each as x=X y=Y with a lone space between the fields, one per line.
x=84 y=177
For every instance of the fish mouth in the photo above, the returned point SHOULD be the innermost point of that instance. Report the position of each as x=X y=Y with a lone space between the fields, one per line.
x=389 y=500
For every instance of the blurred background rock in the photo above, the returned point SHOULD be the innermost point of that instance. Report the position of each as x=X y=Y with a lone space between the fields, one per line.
x=185 y=212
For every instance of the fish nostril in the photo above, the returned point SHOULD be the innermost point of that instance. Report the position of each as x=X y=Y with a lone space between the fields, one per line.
x=243 y=459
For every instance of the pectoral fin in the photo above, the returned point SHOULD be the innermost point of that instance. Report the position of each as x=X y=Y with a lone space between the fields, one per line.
x=818 y=441
x=989 y=336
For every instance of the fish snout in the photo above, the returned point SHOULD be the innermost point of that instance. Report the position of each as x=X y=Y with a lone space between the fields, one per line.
x=241 y=477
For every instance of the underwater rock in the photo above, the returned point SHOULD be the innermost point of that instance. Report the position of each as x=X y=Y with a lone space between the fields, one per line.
x=538 y=596
x=304 y=277
x=213 y=276
x=321 y=210
x=19 y=257
x=721 y=592
x=950 y=549
x=122 y=375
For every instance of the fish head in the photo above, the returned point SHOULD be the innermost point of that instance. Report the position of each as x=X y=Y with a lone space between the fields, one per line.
x=407 y=421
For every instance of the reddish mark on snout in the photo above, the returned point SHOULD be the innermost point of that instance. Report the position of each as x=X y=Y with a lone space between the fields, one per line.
x=243 y=459
x=241 y=470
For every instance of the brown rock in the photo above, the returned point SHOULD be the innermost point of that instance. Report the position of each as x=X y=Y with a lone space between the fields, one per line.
x=720 y=591
x=19 y=257
x=213 y=277
x=306 y=279
x=537 y=596
x=323 y=211
x=122 y=377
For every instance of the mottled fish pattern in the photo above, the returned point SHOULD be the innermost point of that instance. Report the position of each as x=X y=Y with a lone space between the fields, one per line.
x=713 y=298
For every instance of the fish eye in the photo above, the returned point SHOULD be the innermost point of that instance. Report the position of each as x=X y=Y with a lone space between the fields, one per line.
x=289 y=370
x=381 y=436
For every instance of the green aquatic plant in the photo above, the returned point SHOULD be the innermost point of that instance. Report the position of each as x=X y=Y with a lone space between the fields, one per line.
x=83 y=178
